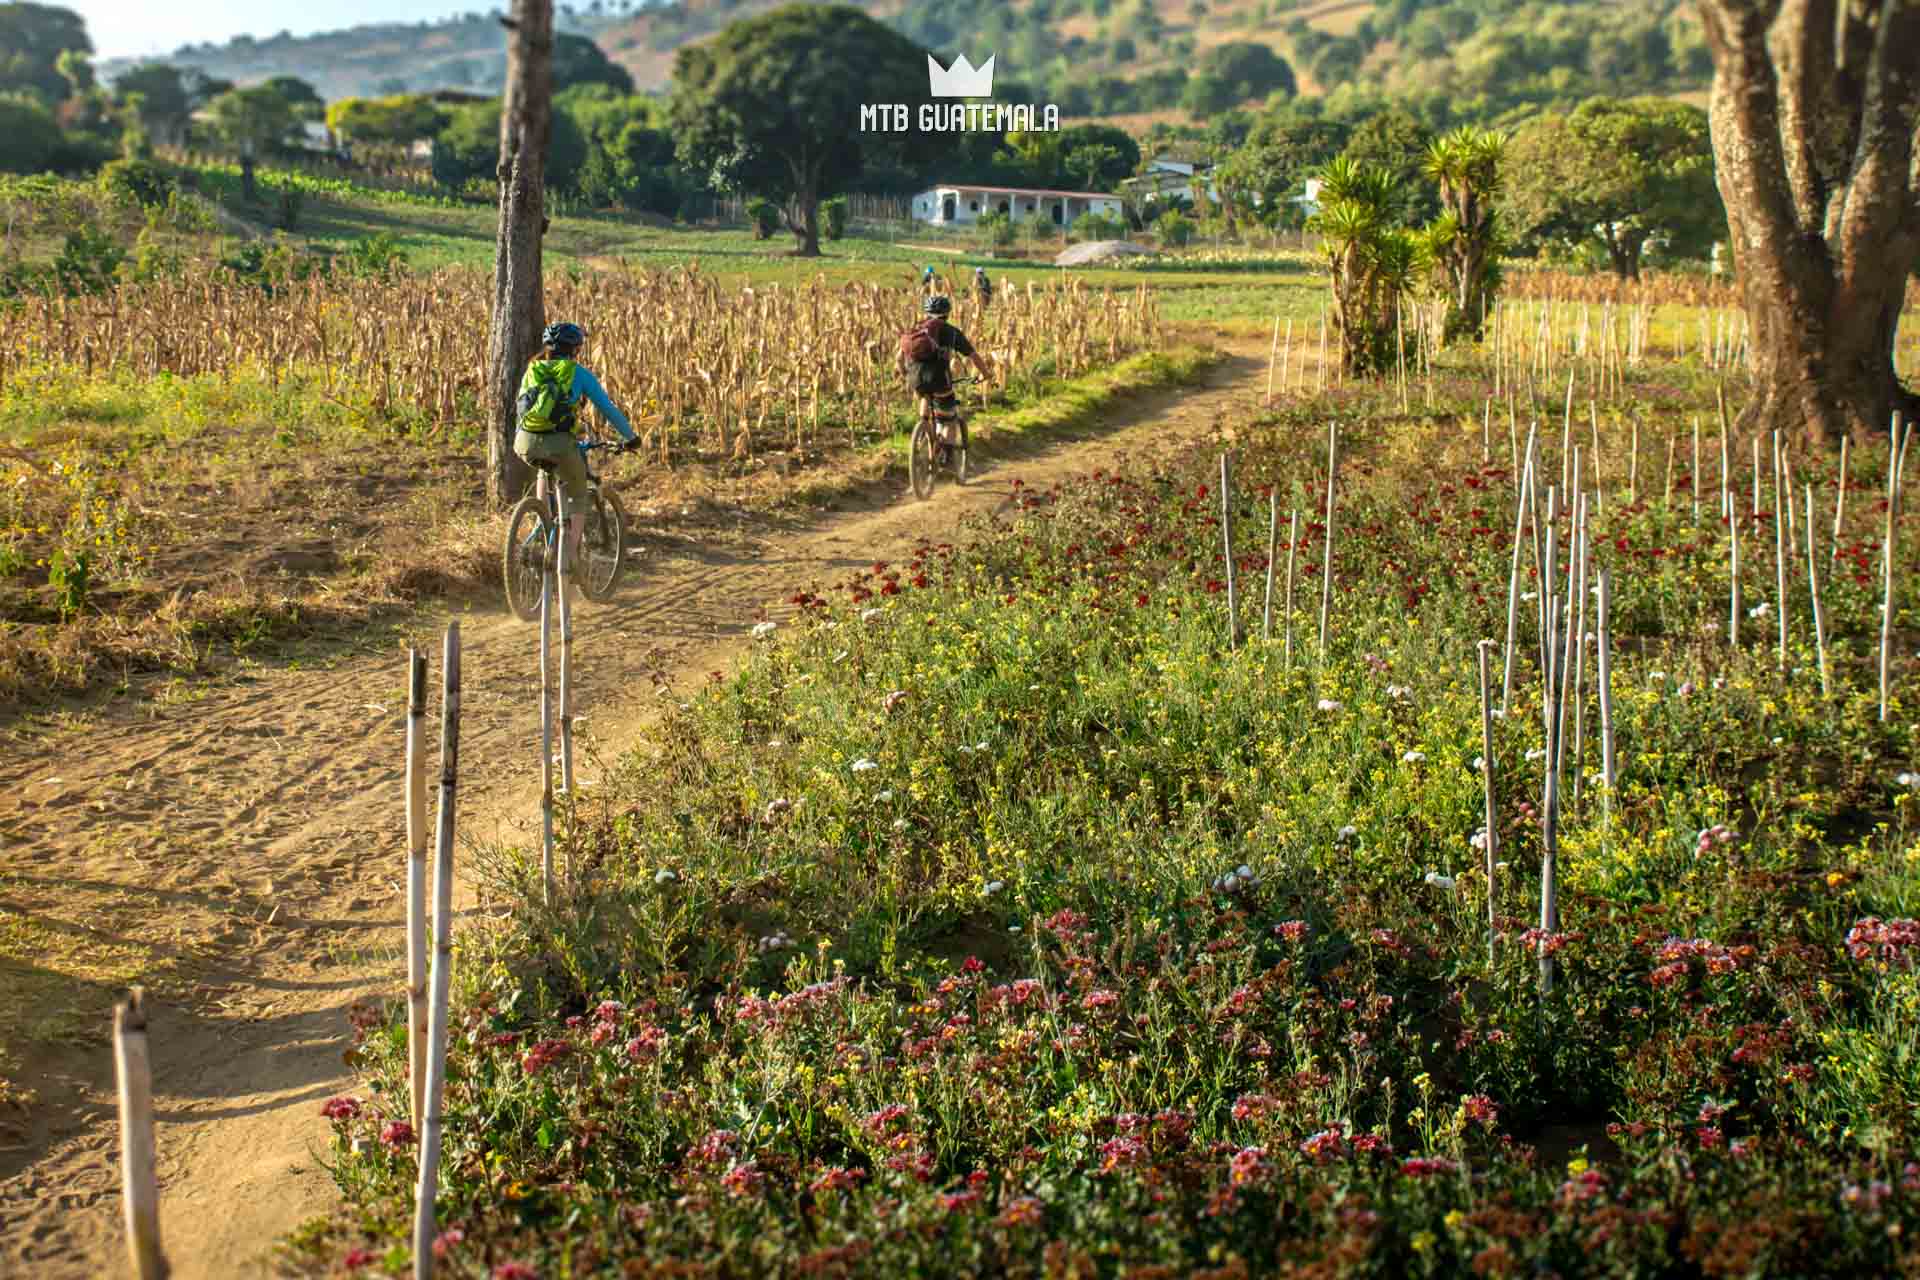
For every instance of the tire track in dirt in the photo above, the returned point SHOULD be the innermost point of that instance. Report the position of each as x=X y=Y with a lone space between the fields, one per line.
x=253 y=838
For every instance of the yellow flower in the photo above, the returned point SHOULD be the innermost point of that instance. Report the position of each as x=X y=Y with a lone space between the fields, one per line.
x=1836 y=878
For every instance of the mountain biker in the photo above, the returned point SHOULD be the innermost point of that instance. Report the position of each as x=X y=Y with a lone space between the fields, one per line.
x=547 y=437
x=934 y=378
x=926 y=280
x=982 y=285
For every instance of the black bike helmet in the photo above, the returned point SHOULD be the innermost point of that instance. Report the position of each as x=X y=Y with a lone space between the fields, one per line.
x=562 y=336
x=937 y=305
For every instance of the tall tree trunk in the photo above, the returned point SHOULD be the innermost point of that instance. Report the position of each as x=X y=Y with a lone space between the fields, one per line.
x=519 y=298
x=1814 y=111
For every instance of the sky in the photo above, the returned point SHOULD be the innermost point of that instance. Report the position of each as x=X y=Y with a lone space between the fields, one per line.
x=141 y=28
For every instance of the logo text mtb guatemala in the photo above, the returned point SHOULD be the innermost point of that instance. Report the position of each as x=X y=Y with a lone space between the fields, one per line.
x=962 y=80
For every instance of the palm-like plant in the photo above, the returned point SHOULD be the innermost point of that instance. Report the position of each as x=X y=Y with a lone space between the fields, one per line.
x=1370 y=262
x=1465 y=240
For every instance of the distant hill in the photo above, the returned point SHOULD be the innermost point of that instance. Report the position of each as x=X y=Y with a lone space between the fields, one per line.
x=467 y=51
x=1135 y=59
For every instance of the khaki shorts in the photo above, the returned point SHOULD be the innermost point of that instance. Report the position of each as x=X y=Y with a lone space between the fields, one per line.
x=569 y=468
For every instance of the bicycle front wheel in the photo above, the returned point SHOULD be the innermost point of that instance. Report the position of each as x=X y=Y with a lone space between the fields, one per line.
x=523 y=562
x=603 y=546
x=960 y=455
x=920 y=459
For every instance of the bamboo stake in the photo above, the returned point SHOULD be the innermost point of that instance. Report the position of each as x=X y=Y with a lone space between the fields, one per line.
x=431 y=1128
x=1779 y=553
x=1273 y=352
x=1322 y=385
x=1577 y=606
x=139 y=1176
x=547 y=574
x=1726 y=460
x=1756 y=477
x=565 y=597
x=1813 y=588
x=1273 y=546
x=1840 y=500
x=1326 y=571
x=1666 y=497
x=1733 y=582
x=1550 y=804
x=1490 y=845
x=1567 y=472
x=1599 y=483
x=1520 y=507
x=1693 y=477
x=1286 y=356
x=1293 y=541
x=1486 y=434
x=1605 y=676
x=1226 y=542
x=1886 y=560
x=416 y=882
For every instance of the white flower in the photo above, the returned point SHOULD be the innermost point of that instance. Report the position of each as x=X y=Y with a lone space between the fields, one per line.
x=1398 y=691
x=840 y=656
x=1034 y=688
x=1479 y=763
x=1778 y=741
x=994 y=886
x=1345 y=833
x=1413 y=757
x=664 y=876
x=1328 y=704
x=899 y=824
x=884 y=796
x=868 y=615
x=762 y=630
x=864 y=765
x=980 y=746
x=1529 y=595
x=1719 y=682
x=1908 y=779
x=1499 y=866
x=1478 y=839
x=1758 y=611
x=1439 y=881
x=777 y=807
x=1535 y=754
x=1656 y=675
x=1499 y=713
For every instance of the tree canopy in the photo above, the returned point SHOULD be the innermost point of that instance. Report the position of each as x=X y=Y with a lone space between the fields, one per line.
x=1616 y=174
x=252 y=119
x=401 y=118
x=32 y=38
x=579 y=61
x=771 y=105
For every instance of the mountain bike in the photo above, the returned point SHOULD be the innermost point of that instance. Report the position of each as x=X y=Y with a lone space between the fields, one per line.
x=533 y=527
x=937 y=443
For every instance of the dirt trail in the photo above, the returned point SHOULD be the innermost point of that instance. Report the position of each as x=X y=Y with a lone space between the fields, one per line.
x=253 y=838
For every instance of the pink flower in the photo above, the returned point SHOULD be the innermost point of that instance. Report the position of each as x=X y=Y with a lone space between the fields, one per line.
x=447 y=1240
x=837 y=1180
x=1099 y=1000
x=1427 y=1166
x=358 y=1258
x=1891 y=942
x=544 y=1055
x=1024 y=1212
x=1325 y=1146
x=743 y=1179
x=713 y=1148
x=515 y=1271
x=1121 y=1153
x=1291 y=930
x=396 y=1135
x=954 y=1201
x=341 y=1108
x=878 y=1122
x=1249 y=1165
x=646 y=1045
x=1480 y=1109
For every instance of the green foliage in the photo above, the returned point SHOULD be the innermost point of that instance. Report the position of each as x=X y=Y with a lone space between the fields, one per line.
x=1371 y=262
x=1395 y=142
x=140 y=182
x=253 y=119
x=771 y=105
x=1248 y=70
x=1173 y=228
x=303 y=98
x=29 y=137
x=398 y=119
x=156 y=95
x=579 y=61
x=998 y=229
x=764 y=215
x=467 y=147
x=833 y=217
x=70 y=576
x=32 y=39
x=88 y=260
x=1619 y=174
x=1098 y=226
x=1464 y=243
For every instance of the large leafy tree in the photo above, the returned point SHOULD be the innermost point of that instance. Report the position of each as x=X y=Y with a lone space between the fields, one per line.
x=579 y=61
x=1248 y=70
x=253 y=120
x=1814 y=115
x=1618 y=173
x=468 y=146
x=32 y=38
x=305 y=100
x=29 y=137
x=398 y=119
x=157 y=95
x=1395 y=142
x=771 y=105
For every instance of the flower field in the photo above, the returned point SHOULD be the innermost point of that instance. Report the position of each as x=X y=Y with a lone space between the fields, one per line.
x=1000 y=916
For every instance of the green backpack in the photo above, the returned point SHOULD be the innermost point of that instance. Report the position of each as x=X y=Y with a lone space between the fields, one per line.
x=545 y=404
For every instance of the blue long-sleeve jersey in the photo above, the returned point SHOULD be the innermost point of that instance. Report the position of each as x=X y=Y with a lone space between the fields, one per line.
x=585 y=385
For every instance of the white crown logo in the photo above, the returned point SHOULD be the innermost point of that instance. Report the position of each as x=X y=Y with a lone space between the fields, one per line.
x=962 y=80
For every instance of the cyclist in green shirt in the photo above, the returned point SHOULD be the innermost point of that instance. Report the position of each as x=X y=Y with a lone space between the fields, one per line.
x=550 y=394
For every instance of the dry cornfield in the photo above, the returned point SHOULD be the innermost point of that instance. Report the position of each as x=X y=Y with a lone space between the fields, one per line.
x=700 y=366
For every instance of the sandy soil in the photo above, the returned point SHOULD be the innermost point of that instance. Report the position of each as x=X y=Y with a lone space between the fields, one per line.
x=252 y=840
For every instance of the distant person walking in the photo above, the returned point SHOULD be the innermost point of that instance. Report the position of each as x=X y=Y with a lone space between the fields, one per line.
x=982 y=286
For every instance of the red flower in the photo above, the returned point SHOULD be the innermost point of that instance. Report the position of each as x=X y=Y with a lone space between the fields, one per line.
x=358 y=1258
x=515 y=1271
x=397 y=1134
x=341 y=1109
x=447 y=1240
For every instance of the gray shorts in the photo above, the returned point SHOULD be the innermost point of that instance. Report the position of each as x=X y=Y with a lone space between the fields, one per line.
x=569 y=468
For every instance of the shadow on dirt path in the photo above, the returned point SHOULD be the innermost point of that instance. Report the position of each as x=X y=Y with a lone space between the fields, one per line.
x=252 y=842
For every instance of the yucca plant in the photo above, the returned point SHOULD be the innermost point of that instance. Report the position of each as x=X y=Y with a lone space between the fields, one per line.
x=1370 y=262
x=1465 y=240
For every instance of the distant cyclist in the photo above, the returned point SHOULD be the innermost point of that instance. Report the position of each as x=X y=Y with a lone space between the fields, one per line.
x=982 y=286
x=926 y=280
x=927 y=351
x=550 y=394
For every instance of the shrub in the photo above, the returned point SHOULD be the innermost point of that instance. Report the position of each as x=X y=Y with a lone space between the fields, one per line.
x=1173 y=228
x=140 y=182
x=997 y=228
x=1098 y=226
x=833 y=217
x=765 y=217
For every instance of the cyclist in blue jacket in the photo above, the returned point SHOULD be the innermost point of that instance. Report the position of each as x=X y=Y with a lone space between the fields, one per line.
x=546 y=427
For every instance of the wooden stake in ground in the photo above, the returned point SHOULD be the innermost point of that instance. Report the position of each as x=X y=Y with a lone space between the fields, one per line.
x=1633 y=465
x=1486 y=434
x=1726 y=458
x=431 y=1128
x=1550 y=800
x=1840 y=500
x=1273 y=354
x=563 y=593
x=1293 y=541
x=1779 y=552
x=1604 y=675
x=1813 y=588
x=1226 y=543
x=1273 y=547
x=1577 y=573
x=139 y=1177
x=1326 y=571
x=1693 y=479
x=1520 y=507
x=416 y=882
x=1886 y=561
x=1491 y=843
x=1756 y=477
x=1733 y=582
x=548 y=572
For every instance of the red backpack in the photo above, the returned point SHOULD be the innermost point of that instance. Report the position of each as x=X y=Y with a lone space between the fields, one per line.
x=921 y=343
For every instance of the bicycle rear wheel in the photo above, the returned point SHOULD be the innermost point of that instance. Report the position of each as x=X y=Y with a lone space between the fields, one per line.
x=523 y=561
x=920 y=459
x=603 y=547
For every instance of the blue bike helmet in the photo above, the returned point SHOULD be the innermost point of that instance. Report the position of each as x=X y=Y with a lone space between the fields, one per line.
x=562 y=336
x=937 y=305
